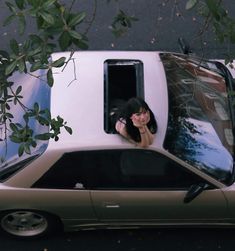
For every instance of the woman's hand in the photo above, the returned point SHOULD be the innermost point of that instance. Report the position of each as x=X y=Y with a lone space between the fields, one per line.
x=140 y=119
x=136 y=121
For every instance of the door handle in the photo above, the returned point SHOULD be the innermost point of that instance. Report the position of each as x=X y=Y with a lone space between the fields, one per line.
x=111 y=205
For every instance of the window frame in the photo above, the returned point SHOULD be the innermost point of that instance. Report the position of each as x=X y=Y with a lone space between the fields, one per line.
x=94 y=174
x=138 y=92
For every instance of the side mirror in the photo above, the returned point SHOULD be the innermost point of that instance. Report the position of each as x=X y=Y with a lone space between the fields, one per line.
x=193 y=192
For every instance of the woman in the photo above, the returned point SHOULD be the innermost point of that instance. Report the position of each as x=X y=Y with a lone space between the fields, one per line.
x=137 y=123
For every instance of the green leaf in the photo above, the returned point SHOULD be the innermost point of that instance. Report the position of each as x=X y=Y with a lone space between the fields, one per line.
x=44 y=136
x=8 y=106
x=18 y=90
x=47 y=114
x=14 y=46
x=20 y=4
x=19 y=125
x=35 y=66
x=11 y=67
x=42 y=120
x=64 y=40
x=50 y=79
x=213 y=8
x=48 y=4
x=27 y=149
x=81 y=44
x=58 y=63
x=34 y=3
x=15 y=139
x=36 y=107
x=9 y=115
x=11 y=7
x=22 y=24
x=77 y=19
x=21 y=150
x=68 y=129
x=190 y=4
x=26 y=45
x=40 y=22
x=60 y=120
x=35 y=39
x=13 y=127
x=21 y=65
x=75 y=35
x=47 y=17
x=9 y=19
x=35 y=52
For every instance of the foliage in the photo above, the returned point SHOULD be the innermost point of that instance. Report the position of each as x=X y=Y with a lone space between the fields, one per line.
x=121 y=23
x=215 y=15
x=56 y=30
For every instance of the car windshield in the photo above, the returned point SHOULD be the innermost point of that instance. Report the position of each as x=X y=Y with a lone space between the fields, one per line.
x=34 y=89
x=199 y=128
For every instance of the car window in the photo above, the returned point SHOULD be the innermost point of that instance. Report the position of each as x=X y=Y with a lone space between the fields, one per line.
x=123 y=79
x=116 y=169
x=148 y=169
x=81 y=170
x=67 y=173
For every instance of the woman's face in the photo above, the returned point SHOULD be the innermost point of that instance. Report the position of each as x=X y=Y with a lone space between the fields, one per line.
x=142 y=117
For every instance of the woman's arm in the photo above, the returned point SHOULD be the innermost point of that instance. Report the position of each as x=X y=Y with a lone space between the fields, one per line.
x=121 y=128
x=140 y=121
x=146 y=136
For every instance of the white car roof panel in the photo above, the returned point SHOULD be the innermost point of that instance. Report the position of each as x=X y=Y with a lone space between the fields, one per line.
x=78 y=96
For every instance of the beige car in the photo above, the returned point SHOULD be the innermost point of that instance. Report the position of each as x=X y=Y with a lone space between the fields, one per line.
x=96 y=179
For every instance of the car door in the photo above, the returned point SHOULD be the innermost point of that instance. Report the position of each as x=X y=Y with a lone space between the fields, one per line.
x=63 y=189
x=145 y=186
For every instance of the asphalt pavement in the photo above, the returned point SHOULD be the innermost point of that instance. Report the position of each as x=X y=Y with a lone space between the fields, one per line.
x=158 y=27
x=170 y=239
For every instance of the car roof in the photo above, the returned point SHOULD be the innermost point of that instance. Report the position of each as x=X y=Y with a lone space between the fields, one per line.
x=78 y=96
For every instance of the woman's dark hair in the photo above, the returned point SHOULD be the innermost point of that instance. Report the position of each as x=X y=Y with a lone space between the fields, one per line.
x=132 y=106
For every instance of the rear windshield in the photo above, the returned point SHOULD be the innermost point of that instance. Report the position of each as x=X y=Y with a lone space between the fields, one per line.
x=199 y=125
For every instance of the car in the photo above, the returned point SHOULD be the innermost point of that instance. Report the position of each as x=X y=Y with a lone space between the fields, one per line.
x=94 y=178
